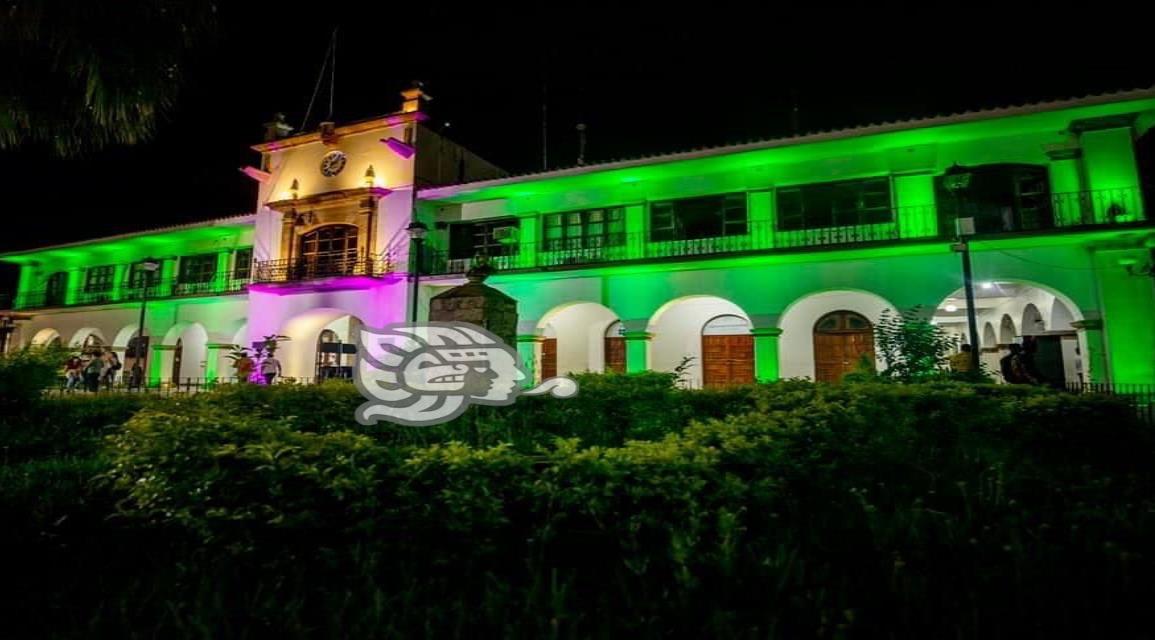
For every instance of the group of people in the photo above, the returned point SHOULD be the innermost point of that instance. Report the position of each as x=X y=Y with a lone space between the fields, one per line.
x=92 y=370
x=244 y=364
x=1017 y=367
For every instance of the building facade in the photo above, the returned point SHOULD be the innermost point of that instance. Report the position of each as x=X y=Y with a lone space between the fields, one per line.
x=759 y=261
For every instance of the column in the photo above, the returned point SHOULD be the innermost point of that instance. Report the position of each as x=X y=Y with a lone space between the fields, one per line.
x=637 y=351
x=221 y=278
x=635 y=231
x=1095 y=356
x=165 y=277
x=156 y=361
x=24 y=291
x=214 y=351
x=761 y=210
x=1066 y=176
x=766 y=353
x=119 y=276
x=916 y=214
x=528 y=238
x=529 y=351
x=1111 y=169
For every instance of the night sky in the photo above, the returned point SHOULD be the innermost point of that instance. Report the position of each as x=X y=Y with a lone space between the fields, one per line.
x=642 y=82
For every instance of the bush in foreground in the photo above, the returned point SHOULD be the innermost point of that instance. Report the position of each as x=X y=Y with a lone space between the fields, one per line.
x=915 y=511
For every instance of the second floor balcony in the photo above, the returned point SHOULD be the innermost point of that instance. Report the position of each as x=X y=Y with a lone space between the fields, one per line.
x=168 y=288
x=319 y=266
x=1059 y=212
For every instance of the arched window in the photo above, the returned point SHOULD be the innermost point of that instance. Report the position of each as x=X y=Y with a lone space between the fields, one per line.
x=92 y=343
x=329 y=251
x=841 y=339
x=331 y=239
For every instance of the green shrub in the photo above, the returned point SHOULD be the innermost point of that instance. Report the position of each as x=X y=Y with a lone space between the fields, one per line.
x=788 y=509
x=25 y=373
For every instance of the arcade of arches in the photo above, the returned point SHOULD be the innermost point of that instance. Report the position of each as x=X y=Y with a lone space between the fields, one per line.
x=713 y=342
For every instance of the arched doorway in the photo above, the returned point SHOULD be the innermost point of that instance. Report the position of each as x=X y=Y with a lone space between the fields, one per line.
x=575 y=337
x=177 y=358
x=841 y=339
x=727 y=352
x=334 y=360
x=1037 y=317
x=615 y=347
x=329 y=251
x=319 y=343
x=678 y=328
x=92 y=344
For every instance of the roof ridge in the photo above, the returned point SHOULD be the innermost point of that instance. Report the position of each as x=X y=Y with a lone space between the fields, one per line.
x=880 y=127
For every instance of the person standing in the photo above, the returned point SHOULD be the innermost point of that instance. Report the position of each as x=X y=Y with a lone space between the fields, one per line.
x=270 y=369
x=72 y=372
x=111 y=367
x=92 y=373
x=961 y=361
x=243 y=366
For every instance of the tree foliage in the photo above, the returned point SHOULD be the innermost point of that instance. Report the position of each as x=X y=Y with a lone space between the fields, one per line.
x=912 y=348
x=77 y=76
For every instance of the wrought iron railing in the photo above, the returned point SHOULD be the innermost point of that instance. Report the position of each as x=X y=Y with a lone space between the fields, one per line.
x=320 y=266
x=1141 y=397
x=168 y=386
x=168 y=288
x=625 y=247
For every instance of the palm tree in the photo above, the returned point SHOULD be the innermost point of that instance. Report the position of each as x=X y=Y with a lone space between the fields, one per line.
x=76 y=75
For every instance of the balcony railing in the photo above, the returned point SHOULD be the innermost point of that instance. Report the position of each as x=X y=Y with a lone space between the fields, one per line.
x=169 y=288
x=1109 y=207
x=320 y=266
x=640 y=246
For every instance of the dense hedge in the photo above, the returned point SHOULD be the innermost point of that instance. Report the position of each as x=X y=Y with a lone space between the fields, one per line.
x=785 y=510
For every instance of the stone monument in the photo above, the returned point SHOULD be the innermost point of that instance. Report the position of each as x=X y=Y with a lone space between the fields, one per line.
x=478 y=303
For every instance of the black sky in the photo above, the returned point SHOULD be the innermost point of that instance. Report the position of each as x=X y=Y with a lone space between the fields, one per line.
x=644 y=81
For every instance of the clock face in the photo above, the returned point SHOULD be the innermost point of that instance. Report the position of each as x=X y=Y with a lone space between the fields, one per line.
x=332 y=163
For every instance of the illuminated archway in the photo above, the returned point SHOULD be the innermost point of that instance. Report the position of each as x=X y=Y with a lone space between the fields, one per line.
x=574 y=338
x=305 y=357
x=1039 y=317
x=796 y=349
x=677 y=328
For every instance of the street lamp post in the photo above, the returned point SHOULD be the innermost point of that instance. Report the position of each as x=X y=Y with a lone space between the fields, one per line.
x=956 y=180
x=149 y=266
x=417 y=231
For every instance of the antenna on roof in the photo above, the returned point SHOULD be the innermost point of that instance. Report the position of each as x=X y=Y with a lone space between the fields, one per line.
x=545 y=124
x=581 y=129
x=330 y=61
x=794 y=127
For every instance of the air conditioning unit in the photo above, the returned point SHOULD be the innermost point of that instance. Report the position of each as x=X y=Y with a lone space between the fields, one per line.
x=506 y=235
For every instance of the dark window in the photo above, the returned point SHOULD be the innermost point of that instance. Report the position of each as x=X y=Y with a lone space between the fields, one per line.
x=99 y=279
x=999 y=197
x=138 y=276
x=330 y=240
x=694 y=218
x=469 y=239
x=196 y=269
x=584 y=229
x=56 y=287
x=834 y=204
x=243 y=264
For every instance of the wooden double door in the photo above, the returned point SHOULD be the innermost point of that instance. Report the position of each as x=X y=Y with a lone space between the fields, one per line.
x=727 y=360
x=841 y=339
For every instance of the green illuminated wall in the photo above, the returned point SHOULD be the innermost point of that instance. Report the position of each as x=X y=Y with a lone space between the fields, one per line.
x=38 y=265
